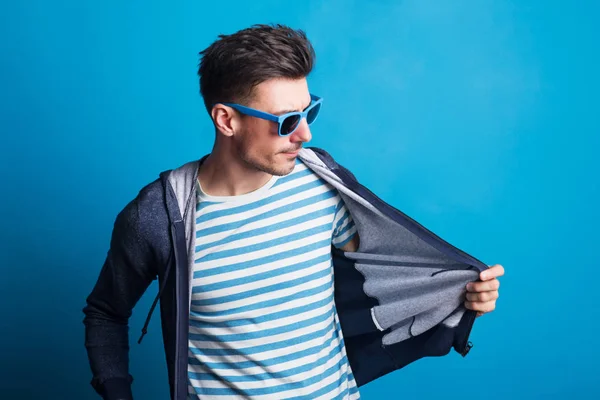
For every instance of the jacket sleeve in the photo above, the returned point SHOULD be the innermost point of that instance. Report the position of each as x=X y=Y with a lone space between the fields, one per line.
x=127 y=272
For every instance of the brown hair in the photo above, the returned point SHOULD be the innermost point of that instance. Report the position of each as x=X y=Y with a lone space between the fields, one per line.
x=232 y=65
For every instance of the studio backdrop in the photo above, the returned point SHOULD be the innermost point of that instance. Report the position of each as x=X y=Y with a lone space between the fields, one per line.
x=479 y=119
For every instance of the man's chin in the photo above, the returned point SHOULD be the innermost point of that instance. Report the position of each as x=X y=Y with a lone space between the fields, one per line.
x=282 y=171
x=283 y=165
x=278 y=164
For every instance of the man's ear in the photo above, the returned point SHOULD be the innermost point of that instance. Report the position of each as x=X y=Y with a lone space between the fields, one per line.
x=225 y=119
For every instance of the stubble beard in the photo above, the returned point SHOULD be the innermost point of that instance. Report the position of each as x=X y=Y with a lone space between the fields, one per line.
x=268 y=164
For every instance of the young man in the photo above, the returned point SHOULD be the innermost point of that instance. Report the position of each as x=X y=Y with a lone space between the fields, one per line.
x=266 y=290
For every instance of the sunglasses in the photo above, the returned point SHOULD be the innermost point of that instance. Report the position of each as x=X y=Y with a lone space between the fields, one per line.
x=288 y=122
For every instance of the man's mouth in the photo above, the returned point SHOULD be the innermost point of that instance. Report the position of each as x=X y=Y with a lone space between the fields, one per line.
x=292 y=152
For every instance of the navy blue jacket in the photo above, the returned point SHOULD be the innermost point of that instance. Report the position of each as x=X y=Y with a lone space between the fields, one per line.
x=399 y=296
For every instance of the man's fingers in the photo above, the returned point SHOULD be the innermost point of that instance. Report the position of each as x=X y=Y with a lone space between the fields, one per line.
x=488 y=306
x=492 y=272
x=483 y=286
x=482 y=296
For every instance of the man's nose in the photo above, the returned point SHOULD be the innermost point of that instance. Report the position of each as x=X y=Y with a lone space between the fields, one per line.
x=302 y=133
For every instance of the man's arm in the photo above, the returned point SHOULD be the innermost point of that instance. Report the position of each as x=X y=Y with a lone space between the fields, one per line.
x=352 y=244
x=126 y=274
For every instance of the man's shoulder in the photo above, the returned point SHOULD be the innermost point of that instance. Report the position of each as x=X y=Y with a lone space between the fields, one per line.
x=145 y=213
x=151 y=194
x=151 y=197
x=146 y=199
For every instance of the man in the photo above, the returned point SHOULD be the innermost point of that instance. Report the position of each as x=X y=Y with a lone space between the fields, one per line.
x=266 y=289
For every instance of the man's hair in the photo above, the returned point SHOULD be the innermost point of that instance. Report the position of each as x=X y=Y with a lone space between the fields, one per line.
x=232 y=65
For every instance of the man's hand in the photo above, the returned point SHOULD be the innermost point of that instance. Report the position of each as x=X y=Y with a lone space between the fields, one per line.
x=481 y=296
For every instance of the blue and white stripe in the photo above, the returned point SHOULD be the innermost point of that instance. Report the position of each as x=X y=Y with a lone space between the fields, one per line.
x=263 y=322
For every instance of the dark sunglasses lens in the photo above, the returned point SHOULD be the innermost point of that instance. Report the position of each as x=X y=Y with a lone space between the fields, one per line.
x=312 y=114
x=289 y=124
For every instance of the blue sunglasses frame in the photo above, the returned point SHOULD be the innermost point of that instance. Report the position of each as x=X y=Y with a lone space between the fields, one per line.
x=315 y=101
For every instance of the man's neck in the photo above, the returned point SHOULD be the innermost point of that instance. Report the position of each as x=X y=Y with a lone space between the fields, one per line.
x=227 y=175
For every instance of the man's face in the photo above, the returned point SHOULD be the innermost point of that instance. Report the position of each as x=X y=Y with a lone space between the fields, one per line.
x=258 y=142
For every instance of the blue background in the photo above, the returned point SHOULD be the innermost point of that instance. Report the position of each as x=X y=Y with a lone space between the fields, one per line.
x=477 y=118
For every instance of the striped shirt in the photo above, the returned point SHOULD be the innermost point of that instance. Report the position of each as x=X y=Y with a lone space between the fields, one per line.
x=263 y=322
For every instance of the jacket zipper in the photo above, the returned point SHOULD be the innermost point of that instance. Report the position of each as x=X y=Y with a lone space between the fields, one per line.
x=180 y=382
x=468 y=344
